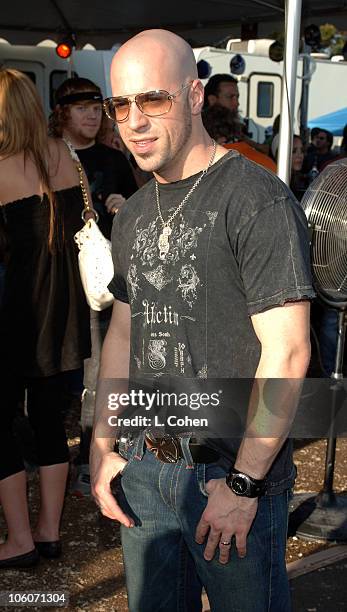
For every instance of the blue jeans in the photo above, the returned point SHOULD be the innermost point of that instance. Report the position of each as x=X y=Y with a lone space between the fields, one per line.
x=328 y=339
x=165 y=568
x=98 y=330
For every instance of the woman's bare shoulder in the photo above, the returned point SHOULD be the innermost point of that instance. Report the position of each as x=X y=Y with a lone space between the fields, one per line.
x=5 y=161
x=10 y=167
x=62 y=167
x=58 y=152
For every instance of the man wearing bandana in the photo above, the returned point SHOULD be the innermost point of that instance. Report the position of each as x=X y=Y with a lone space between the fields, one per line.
x=77 y=118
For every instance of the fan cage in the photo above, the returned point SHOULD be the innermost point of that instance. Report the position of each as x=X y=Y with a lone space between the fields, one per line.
x=325 y=205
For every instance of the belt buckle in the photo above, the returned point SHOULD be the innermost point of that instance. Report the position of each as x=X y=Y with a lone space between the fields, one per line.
x=166 y=449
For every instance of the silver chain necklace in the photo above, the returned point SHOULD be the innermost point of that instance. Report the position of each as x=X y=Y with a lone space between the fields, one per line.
x=163 y=242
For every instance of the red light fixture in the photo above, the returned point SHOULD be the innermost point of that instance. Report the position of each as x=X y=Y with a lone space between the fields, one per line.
x=65 y=46
x=63 y=50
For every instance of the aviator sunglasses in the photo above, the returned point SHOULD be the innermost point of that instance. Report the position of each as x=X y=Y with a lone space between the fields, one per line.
x=151 y=103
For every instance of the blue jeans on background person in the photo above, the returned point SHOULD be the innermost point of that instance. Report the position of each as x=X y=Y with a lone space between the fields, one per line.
x=165 y=568
x=99 y=322
x=328 y=338
x=98 y=330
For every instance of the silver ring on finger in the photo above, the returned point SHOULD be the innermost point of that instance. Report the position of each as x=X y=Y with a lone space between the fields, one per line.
x=225 y=543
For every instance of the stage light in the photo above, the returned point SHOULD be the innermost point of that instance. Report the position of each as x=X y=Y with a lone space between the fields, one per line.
x=312 y=37
x=204 y=69
x=276 y=51
x=64 y=47
x=237 y=64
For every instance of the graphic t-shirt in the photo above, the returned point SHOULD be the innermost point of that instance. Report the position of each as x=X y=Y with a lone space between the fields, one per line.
x=238 y=247
x=108 y=171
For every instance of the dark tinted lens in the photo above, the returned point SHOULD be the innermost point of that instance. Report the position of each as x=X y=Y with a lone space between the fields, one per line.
x=154 y=103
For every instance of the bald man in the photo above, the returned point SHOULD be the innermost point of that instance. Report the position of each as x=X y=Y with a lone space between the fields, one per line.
x=211 y=281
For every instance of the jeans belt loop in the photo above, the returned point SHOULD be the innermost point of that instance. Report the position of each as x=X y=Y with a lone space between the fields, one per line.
x=186 y=451
x=140 y=446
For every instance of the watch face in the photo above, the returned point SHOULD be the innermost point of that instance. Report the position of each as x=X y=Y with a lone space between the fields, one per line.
x=239 y=485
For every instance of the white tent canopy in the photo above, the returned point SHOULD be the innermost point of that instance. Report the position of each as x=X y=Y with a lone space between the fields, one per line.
x=106 y=22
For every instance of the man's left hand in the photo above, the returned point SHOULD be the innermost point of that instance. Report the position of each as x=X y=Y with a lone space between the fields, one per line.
x=226 y=515
x=114 y=202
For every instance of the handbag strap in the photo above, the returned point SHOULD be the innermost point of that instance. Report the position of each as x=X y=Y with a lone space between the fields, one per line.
x=87 y=207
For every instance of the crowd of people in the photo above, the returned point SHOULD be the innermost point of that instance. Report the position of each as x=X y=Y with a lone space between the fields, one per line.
x=223 y=122
x=199 y=240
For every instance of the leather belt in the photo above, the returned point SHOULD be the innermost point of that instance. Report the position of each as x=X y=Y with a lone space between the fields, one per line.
x=168 y=449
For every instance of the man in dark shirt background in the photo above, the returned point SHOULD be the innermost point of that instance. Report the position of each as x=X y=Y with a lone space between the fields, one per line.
x=222 y=90
x=77 y=118
x=319 y=153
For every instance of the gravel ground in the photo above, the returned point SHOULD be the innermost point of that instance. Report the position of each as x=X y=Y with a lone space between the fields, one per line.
x=91 y=568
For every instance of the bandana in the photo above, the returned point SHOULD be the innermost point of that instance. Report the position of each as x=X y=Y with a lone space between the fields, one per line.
x=79 y=97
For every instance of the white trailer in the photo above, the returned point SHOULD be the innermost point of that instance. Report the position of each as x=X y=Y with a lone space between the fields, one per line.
x=260 y=85
x=48 y=71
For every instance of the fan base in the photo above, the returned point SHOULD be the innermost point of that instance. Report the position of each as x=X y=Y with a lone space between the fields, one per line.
x=321 y=517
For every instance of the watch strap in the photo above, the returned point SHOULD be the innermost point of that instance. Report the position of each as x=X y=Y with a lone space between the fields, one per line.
x=256 y=488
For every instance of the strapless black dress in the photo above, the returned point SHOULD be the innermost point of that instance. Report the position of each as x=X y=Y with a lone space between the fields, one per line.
x=44 y=316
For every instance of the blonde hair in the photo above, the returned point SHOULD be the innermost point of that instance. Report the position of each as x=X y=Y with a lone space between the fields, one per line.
x=23 y=128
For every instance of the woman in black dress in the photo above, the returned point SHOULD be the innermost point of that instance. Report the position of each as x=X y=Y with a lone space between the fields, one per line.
x=298 y=180
x=44 y=317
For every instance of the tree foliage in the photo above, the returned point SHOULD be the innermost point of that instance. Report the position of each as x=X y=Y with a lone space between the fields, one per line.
x=333 y=40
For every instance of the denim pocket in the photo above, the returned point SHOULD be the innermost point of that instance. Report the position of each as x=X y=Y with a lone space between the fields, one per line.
x=127 y=451
x=201 y=478
x=206 y=472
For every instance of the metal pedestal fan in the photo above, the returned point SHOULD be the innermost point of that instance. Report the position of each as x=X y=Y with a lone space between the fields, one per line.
x=324 y=516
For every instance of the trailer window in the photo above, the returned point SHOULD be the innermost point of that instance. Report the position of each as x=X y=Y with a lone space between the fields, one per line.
x=265 y=97
x=57 y=77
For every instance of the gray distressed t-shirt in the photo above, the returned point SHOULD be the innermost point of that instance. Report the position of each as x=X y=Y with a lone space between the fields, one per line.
x=238 y=247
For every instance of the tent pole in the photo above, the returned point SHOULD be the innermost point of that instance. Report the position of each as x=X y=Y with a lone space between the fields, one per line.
x=293 y=21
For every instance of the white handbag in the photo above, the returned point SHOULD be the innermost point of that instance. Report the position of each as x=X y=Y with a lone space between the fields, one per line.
x=95 y=264
x=95 y=255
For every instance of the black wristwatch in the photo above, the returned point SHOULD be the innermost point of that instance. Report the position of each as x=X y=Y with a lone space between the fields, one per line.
x=244 y=485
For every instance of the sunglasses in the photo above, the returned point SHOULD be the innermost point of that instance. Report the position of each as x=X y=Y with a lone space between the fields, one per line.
x=150 y=103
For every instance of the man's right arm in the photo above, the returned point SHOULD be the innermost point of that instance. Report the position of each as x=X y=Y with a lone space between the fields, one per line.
x=105 y=464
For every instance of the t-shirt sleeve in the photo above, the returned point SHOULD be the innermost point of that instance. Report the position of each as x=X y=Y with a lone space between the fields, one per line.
x=272 y=251
x=117 y=286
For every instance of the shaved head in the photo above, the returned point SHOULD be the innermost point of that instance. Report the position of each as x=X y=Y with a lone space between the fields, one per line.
x=151 y=54
x=163 y=143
